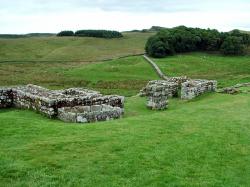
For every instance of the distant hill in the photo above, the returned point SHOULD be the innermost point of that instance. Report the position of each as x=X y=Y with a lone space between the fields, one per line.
x=26 y=35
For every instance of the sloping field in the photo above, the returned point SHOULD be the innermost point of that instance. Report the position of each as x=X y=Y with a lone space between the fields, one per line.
x=124 y=76
x=71 y=48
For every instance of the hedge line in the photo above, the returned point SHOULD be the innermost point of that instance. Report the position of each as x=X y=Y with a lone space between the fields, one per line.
x=92 y=33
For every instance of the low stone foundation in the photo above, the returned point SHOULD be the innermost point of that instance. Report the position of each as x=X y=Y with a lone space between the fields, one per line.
x=194 y=88
x=6 y=97
x=86 y=114
x=49 y=102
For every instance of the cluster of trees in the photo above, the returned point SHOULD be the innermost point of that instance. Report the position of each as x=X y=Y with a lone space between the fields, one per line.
x=183 y=39
x=92 y=33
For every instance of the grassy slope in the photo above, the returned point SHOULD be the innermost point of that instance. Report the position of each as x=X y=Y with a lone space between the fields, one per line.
x=204 y=142
x=227 y=70
x=124 y=76
x=71 y=48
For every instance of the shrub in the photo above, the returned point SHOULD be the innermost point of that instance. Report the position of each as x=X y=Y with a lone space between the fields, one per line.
x=157 y=48
x=66 y=33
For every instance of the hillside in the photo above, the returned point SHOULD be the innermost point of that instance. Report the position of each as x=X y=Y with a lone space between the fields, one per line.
x=71 y=48
x=125 y=76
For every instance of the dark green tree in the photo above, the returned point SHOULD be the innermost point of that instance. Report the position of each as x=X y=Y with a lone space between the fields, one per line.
x=232 y=46
x=66 y=33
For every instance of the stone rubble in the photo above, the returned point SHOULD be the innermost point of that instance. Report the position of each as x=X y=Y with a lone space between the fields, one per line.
x=234 y=89
x=194 y=88
x=49 y=102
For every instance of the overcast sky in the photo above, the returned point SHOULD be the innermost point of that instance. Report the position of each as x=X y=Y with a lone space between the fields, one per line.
x=26 y=16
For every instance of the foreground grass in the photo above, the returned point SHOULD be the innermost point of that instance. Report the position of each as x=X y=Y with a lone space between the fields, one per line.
x=71 y=48
x=125 y=76
x=226 y=70
x=204 y=142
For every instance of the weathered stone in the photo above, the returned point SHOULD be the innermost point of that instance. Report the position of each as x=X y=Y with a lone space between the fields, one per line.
x=194 y=88
x=97 y=113
x=6 y=97
x=167 y=88
x=178 y=80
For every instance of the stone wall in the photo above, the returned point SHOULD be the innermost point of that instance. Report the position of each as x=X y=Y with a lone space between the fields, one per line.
x=87 y=114
x=48 y=102
x=6 y=97
x=157 y=97
x=169 y=88
x=194 y=88
x=35 y=98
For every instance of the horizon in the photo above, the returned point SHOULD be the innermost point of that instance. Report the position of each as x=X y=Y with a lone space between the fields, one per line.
x=44 y=16
x=112 y=30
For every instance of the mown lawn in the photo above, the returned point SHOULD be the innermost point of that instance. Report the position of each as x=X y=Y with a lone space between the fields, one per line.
x=226 y=70
x=204 y=142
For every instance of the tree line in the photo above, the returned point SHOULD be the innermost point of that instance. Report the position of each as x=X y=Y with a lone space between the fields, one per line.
x=92 y=33
x=183 y=39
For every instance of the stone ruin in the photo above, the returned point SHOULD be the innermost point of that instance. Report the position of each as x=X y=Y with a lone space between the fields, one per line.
x=194 y=88
x=90 y=105
x=158 y=91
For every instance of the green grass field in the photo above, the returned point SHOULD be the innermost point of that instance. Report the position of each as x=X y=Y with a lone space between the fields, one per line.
x=203 y=142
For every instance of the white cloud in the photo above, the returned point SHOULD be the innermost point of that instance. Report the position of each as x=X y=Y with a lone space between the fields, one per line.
x=53 y=16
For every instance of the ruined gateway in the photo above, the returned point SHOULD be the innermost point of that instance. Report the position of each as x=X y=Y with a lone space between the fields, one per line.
x=70 y=105
x=158 y=91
